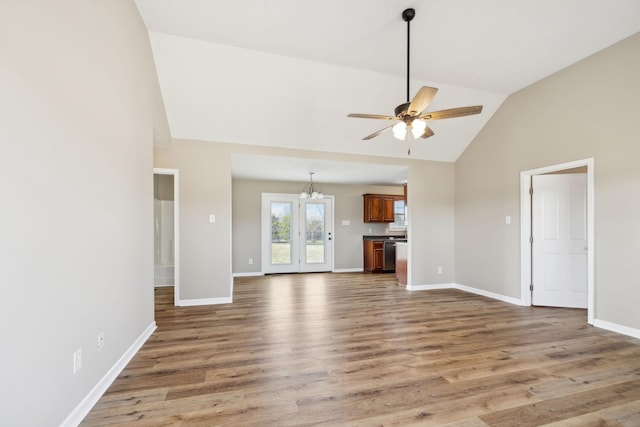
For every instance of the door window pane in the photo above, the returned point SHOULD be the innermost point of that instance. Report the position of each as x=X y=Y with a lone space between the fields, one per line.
x=281 y=232
x=314 y=233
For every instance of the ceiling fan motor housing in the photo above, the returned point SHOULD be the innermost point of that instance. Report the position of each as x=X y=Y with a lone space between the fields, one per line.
x=401 y=110
x=408 y=14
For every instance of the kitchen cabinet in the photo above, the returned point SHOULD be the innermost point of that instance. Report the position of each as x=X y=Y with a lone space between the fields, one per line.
x=379 y=207
x=373 y=256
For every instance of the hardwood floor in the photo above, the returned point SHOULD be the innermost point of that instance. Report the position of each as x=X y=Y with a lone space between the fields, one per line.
x=356 y=349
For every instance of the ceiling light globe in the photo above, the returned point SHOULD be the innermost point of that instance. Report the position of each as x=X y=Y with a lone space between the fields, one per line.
x=417 y=128
x=400 y=130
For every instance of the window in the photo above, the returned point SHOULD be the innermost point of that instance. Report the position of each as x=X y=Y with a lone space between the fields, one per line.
x=399 y=217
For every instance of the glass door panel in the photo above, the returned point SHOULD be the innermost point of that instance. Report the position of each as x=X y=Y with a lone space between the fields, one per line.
x=281 y=215
x=314 y=233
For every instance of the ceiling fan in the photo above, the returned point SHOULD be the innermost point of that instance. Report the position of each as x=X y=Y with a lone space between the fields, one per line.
x=410 y=115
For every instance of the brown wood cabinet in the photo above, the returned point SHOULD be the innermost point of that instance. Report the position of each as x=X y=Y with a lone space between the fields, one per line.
x=379 y=207
x=373 y=256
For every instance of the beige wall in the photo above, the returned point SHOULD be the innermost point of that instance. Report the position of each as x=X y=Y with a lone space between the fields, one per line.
x=587 y=110
x=431 y=223
x=348 y=205
x=79 y=105
x=163 y=187
x=206 y=187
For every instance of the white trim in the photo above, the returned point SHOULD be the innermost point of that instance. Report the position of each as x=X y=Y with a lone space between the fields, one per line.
x=499 y=297
x=348 y=270
x=525 y=224
x=203 y=301
x=80 y=412
x=464 y=288
x=249 y=274
x=614 y=327
x=176 y=227
x=431 y=287
x=296 y=246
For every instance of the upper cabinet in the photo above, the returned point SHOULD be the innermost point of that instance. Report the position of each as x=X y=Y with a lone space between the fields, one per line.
x=382 y=207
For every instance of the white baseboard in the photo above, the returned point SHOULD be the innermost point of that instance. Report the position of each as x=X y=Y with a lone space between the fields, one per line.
x=203 y=301
x=77 y=415
x=499 y=297
x=249 y=274
x=431 y=287
x=338 y=270
x=614 y=327
x=464 y=288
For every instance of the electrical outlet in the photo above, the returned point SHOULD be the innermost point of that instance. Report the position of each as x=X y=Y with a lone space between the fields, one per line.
x=77 y=360
x=100 y=340
x=250 y=261
x=439 y=270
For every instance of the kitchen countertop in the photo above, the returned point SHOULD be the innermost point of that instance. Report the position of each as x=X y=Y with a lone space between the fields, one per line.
x=384 y=237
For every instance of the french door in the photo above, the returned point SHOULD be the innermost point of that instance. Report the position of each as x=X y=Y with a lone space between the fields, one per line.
x=297 y=234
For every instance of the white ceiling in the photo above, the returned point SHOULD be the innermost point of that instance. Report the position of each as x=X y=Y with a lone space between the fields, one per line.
x=287 y=72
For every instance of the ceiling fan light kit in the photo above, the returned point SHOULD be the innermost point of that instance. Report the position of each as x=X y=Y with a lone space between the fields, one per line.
x=410 y=116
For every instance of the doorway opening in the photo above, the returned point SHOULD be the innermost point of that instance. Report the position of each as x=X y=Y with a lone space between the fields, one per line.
x=526 y=220
x=297 y=234
x=165 y=229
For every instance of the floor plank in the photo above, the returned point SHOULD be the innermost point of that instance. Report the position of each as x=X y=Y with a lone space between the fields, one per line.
x=356 y=349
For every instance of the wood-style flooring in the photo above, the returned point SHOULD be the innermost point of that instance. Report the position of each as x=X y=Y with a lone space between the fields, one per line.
x=358 y=350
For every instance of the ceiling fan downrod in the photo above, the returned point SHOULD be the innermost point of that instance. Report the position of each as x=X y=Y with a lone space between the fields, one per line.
x=407 y=16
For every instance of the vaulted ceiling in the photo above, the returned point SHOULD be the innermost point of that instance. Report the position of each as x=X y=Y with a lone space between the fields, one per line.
x=286 y=73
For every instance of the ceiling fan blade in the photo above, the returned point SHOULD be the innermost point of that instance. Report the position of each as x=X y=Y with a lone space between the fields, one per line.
x=427 y=133
x=452 y=113
x=373 y=135
x=372 y=116
x=421 y=100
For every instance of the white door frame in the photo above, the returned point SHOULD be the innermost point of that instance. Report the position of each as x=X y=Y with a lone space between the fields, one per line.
x=329 y=228
x=525 y=230
x=265 y=225
x=176 y=229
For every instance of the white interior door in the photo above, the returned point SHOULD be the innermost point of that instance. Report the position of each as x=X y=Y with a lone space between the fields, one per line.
x=297 y=234
x=559 y=230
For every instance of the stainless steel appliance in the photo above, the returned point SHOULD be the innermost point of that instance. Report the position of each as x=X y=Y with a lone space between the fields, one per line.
x=389 y=257
x=389 y=254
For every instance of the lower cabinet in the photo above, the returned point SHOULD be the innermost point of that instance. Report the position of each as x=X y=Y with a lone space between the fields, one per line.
x=373 y=256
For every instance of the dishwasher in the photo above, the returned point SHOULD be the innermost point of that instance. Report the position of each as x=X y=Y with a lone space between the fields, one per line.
x=389 y=257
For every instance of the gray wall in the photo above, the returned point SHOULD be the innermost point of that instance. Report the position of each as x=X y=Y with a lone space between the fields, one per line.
x=79 y=105
x=587 y=110
x=348 y=205
x=163 y=187
x=206 y=187
x=431 y=223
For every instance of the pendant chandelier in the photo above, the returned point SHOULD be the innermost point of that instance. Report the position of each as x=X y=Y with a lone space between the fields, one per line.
x=309 y=192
